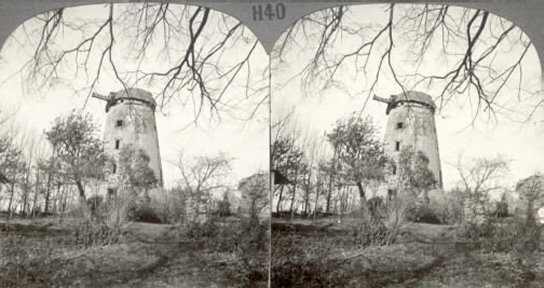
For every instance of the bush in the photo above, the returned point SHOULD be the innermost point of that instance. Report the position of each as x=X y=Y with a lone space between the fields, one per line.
x=94 y=203
x=95 y=233
x=143 y=214
x=223 y=206
x=422 y=214
x=373 y=233
x=448 y=206
x=502 y=235
x=169 y=205
x=501 y=207
x=377 y=208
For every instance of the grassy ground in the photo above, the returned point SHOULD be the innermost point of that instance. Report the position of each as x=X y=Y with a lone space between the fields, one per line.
x=322 y=253
x=43 y=253
x=325 y=253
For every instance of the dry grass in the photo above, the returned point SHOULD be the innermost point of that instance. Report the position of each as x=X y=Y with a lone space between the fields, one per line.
x=424 y=255
x=44 y=254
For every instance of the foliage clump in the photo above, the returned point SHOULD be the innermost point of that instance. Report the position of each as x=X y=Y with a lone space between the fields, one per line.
x=422 y=214
x=373 y=233
x=95 y=233
x=143 y=213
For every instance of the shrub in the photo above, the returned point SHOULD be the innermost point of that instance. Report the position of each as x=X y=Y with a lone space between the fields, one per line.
x=447 y=206
x=95 y=233
x=94 y=203
x=497 y=235
x=143 y=214
x=223 y=206
x=422 y=214
x=373 y=233
x=501 y=207
x=377 y=208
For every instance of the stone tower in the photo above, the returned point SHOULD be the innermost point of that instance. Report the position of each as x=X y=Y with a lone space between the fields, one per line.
x=411 y=123
x=131 y=121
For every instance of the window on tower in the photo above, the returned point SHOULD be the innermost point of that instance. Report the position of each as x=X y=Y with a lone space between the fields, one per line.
x=400 y=125
x=397 y=146
x=394 y=169
x=119 y=123
x=114 y=168
x=391 y=194
x=117 y=143
x=111 y=193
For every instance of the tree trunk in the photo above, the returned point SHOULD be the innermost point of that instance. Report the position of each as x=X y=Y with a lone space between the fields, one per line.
x=64 y=199
x=364 y=202
x=36 y=192
x=308 y=192
x=11 y=194
x=26 y=191
x=47 y=192
x=58 y=196
x=306 y=200
x=49 y=179
x=291 y=210
x=25 y=200
x=331 y=177
x=83 y=200
x=316 y=200
x=278 y=205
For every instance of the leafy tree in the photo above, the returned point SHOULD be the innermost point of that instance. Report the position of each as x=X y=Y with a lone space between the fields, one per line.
x=51 y=167
x=414 y=174
x=287 y=158
x=79 y=151
x=135 y=174
x=359 y=153
x=13 y=167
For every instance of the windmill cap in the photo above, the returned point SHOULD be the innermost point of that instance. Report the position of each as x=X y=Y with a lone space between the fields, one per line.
x=415 y=96
x=134 y=94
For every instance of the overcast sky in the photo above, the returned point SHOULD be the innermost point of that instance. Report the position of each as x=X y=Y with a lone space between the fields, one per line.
x=34 y=110
x=317 y=109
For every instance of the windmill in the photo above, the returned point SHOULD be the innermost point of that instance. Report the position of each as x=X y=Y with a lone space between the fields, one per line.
x=131 y=122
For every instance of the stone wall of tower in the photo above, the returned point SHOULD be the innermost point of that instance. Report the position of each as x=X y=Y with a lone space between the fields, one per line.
x=132 y=122
x=412 y=124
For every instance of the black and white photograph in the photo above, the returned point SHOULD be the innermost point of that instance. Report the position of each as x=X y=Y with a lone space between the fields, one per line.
x=134 y=149
x=406 y=144
x=253 y=144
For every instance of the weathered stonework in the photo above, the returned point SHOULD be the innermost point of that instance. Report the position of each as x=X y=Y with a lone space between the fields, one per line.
x=131 y=123
x=411 y=123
